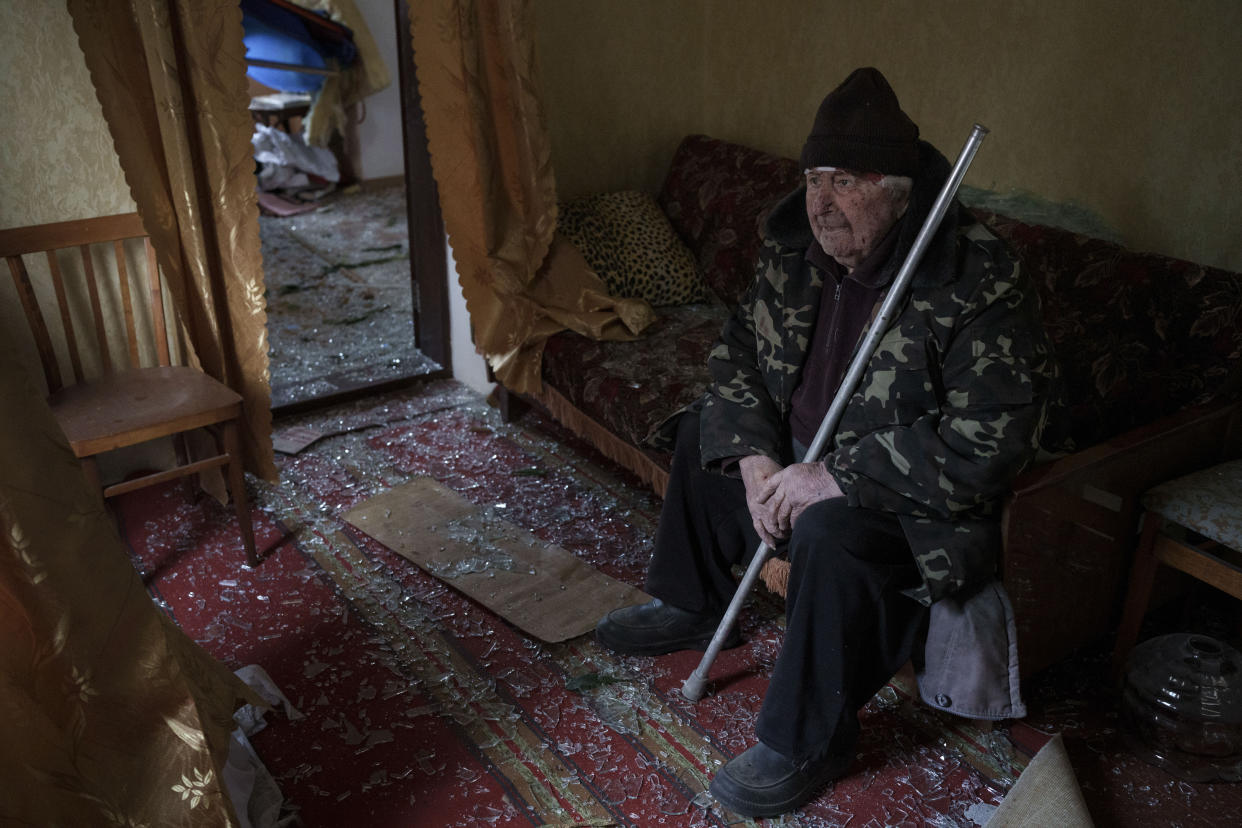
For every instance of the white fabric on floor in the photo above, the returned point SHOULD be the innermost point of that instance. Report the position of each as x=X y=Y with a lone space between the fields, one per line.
x=286 y=160
x=256 y=797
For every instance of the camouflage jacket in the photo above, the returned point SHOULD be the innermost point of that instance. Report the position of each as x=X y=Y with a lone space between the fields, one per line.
x=951 y=403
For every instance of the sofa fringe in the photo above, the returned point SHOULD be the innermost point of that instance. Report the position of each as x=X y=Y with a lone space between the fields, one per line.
x=608 y=444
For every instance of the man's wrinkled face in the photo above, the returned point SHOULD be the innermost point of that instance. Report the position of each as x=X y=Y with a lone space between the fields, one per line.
x=850 y=212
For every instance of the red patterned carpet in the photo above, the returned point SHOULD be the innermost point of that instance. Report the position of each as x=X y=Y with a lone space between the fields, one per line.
x=422 y=708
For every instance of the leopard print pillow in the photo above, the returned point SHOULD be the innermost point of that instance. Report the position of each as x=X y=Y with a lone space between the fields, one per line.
x=628 y=241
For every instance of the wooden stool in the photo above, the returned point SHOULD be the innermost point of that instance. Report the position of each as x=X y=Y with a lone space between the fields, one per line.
x=1193 y=524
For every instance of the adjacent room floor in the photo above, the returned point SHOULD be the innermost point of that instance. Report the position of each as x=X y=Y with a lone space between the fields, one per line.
x=339 y=297
x=414 y=705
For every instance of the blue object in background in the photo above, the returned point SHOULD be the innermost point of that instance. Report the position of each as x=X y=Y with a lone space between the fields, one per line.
x=276 y=34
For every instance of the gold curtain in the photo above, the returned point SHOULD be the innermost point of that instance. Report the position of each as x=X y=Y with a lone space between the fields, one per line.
x=109 y=714
x=490 y=154
x=170 y=76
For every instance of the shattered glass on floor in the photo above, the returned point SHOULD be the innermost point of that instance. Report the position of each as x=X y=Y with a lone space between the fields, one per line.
x=422 y=708
x=339 y=295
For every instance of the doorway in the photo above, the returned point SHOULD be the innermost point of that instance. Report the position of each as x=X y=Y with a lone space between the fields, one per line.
x=357 y=279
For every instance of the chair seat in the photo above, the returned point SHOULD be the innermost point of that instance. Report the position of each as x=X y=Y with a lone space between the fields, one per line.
x=141 y=404
x=1208 y=501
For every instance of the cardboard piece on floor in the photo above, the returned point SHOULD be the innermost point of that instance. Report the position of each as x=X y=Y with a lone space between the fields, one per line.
x=1047 y=793
x=293 y=440
x=538 y=587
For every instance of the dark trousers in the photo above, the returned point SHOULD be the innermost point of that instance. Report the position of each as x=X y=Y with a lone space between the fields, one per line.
x=848 y=626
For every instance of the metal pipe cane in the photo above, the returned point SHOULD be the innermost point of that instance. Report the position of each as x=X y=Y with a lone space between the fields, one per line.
x=694 y=685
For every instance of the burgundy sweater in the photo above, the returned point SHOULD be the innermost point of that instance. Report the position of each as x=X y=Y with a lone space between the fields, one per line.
x=844 y=308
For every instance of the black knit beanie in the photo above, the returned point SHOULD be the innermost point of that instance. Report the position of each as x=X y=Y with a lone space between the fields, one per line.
x=860 y=126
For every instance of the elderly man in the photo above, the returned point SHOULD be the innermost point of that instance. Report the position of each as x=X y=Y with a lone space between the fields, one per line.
x=901 y=518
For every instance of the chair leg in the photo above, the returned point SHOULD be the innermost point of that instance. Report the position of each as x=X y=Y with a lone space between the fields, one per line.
x=1138 y=594
x=90 y=468
x=181 y=448
x=237 y=490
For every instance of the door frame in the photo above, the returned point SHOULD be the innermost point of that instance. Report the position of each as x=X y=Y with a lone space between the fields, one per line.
x=429 y=282
x=428 y=243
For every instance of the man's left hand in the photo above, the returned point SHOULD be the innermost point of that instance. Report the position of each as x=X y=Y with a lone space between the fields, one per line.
x=796 y=487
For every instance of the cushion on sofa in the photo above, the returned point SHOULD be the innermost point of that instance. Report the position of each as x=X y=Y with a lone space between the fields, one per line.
x=717 y=195
x=628 y=241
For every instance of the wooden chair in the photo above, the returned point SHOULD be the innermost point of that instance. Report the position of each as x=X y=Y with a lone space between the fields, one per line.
x=122 y=402
x=1193 y=524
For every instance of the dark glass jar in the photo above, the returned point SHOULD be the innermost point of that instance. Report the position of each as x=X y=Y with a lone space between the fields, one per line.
x=1181 y=706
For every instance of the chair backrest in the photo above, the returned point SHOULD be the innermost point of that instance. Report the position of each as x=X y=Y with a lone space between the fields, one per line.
x=71 y=249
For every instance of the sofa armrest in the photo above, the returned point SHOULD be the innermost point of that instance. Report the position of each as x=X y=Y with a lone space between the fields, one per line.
x=1069 y=525
x=1219 y=421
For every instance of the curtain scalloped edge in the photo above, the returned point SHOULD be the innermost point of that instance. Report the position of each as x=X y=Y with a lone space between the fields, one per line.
x=467 y=259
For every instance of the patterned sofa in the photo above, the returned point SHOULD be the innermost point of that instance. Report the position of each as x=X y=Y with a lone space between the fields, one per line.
x=1149 y=346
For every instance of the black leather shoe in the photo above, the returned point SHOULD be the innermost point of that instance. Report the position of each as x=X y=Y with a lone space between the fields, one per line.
x=759 y=782
x=656 y=628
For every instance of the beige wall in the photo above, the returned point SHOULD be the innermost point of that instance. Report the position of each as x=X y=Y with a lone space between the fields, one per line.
x=1132 y=110
x=56 y=156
